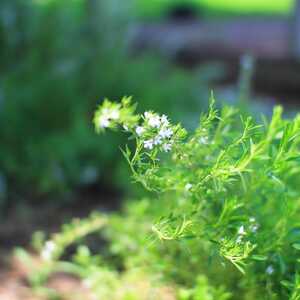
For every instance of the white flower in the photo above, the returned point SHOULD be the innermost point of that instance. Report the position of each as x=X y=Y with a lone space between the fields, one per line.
x=188 y=186
x=106 y=116
x=239 y=239
x=167 y=147
x=152 y=119
x=242 y=231
x=157 y=140
x=103 y=122
x=270 y=270
x=114 y=114
x=125 y=127
x=139 y=130
x=147 y=115
x=254 y=228
x=166 y=132
x=105 y=111
x=164 y=120
x=203 y=140
x=148 y=144
x=48 y=250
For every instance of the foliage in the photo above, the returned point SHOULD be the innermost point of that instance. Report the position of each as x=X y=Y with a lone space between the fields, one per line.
x=156 y=8
x=52 y=57
x=221 y=217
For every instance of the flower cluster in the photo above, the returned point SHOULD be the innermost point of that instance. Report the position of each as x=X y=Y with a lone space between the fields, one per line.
x=241 y=234
x=106 y=117
x=155 y=131
x=109 y=115
x=253 y=227
x=152 y=131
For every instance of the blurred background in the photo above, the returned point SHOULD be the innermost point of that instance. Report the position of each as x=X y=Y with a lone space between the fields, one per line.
x=59 y=59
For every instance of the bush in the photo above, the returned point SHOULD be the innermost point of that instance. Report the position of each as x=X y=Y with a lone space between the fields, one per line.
x=221 y=217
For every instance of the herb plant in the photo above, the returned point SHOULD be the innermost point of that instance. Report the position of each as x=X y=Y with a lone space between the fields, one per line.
x=221 y=216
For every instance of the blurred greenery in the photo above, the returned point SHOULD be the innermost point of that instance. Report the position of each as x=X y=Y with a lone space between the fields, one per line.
x=157 y=8
x=58 y=60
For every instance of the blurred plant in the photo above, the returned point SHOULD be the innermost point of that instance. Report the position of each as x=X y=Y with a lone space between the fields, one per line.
x=247 y=66
x=156 y=8
x=203 y=291
x=53 y=55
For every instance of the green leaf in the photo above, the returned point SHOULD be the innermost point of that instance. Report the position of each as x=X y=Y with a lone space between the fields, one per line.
x=296 y=246
x=259 y=257
x=287 y=284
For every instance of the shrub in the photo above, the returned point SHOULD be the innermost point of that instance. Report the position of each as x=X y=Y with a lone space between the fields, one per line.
x=221 y=217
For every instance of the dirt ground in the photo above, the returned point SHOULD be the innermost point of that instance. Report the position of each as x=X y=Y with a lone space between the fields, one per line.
x=16 y=229
x=14 y=286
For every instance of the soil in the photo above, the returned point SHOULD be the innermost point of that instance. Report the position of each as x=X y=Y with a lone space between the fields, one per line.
x=17 y=227
x=14 y=286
